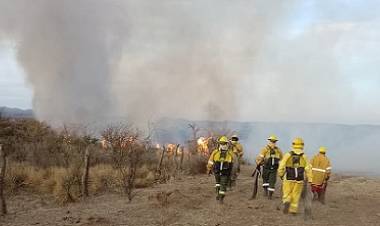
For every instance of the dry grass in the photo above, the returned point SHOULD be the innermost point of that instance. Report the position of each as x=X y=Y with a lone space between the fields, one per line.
x=145 y=177
x=22 y=176
x=64 y=183
x=102 y=179
x=67 y=184
x=46 y=161
x=196 y=164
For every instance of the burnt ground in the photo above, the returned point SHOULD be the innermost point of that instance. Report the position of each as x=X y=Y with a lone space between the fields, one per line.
x=191 y=201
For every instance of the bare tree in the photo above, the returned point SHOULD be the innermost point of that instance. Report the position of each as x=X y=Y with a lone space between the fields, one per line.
x=126 y=154
x=194 y=130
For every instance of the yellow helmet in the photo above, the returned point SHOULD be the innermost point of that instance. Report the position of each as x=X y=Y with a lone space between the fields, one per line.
x=298 y=143
x=322 y=150
x=223 y=139
x=273 y=138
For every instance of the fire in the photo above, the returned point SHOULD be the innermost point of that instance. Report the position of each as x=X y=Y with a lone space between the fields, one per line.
x=203 y=144
x=201 y=141
x=120 y=143
x=105 y=144
x=171 y=149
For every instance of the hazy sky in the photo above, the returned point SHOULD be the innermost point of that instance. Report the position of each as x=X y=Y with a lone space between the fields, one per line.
x=309 y=61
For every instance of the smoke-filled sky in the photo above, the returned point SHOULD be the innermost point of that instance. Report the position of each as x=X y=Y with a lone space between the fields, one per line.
x=259 y=60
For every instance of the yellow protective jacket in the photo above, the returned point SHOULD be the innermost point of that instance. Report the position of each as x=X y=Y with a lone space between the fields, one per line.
x=270 y=156
x=321 y=168
x=295 y=167
x=220 y=162
x=238 y=149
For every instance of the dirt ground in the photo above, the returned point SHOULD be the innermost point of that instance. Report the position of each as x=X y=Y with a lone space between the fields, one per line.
x=191 y=201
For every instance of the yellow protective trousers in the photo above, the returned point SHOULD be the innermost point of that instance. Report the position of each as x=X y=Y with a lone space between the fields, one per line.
x=292 y=191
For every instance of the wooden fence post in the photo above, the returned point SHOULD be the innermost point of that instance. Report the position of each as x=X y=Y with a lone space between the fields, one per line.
x=3 y=165
x=85 y=175
x=182 y=155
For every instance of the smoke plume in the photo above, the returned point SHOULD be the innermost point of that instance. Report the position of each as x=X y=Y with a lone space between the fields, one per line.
x=68 y=50
x=104 y=60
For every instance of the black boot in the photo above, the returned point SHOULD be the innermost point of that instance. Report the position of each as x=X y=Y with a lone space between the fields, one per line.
x=286 y=208
x=322 y=197
x=315 y=196
x=265 y=191
x=221 y=199
x=270 y=195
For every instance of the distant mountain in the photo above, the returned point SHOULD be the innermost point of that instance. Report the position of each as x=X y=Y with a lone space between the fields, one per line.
x=15 y=113
x=354 y=148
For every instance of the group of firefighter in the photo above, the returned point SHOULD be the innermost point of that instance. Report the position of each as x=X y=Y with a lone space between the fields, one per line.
x=293 y=168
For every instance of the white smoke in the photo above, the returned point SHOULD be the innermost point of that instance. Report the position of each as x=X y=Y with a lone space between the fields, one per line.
x=68 y=50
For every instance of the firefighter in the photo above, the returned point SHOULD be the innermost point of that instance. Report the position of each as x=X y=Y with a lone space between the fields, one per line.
x=269 y=158
x=321 y=174
x=294 y=169
x=237 y=149
x=221 y=163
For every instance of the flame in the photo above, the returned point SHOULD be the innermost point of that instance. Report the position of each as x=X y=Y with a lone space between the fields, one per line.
x=105 y=144
x=201 y=141
x=171 y=149
x=203 y=144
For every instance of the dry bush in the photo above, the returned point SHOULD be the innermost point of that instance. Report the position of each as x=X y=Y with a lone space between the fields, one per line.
x=16 y=178
x=66 y=184
x=63 y=183
x=105 y=178
x=22 y=176
x=195 y=164
x=48 y=161
x=127 y=151
x=144 y=177
x=102 y=178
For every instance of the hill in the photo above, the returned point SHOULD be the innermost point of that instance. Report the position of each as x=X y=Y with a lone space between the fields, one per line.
x=16 y=113
x=352 y=148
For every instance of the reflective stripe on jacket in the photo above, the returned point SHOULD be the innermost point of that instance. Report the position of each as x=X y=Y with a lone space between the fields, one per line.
x=321 y=168
x=269 y=157
x=238 y=149
x=295 y=166
x=223 y=161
